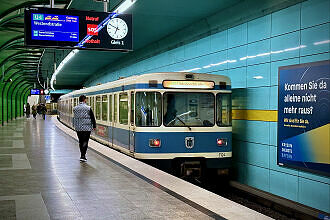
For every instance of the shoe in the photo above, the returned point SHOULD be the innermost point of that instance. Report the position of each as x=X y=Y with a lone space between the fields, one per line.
x=83 y=160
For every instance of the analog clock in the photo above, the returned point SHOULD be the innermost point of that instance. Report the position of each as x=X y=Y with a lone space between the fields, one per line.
x=117 y=28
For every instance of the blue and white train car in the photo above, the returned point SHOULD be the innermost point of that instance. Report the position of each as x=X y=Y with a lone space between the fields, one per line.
x=184 y=118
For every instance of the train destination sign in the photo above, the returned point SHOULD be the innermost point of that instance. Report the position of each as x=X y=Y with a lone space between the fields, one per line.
x=188 y=84
x=72 y=29
x=303 y=117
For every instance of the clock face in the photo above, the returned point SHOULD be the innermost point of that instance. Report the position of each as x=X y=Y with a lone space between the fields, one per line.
x=117 y=28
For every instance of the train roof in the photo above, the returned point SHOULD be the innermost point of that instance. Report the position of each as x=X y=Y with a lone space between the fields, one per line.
x=145 y=78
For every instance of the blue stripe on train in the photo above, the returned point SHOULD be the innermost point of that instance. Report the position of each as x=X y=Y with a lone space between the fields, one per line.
x=174 y=142
x=171 y=142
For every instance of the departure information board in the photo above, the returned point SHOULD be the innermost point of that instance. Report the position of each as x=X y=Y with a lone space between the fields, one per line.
x=55 y=27
x=303 y=117
x=72 y=29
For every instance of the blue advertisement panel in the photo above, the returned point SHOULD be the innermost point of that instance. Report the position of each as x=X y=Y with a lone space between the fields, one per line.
x=304 y=116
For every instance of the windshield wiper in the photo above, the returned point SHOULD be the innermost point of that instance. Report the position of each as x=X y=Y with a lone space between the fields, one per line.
x=183 y=122
x=178 y=117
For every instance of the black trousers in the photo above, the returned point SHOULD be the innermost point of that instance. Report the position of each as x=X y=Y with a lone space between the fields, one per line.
x=83 y=137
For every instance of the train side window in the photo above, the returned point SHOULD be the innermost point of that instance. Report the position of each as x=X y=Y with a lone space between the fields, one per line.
x=92 y=103
x=110 y=108
x=148 y=109
x=70 y=106
x=224 y=117
x=123 y=108
x=98 y=108
x=104 y=108
x=87 y=100
x=132 y=108
x=115 y=108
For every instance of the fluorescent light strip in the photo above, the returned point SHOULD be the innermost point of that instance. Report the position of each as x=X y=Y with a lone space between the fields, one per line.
x=190 y=70
x=124 y=6
x=322 y=42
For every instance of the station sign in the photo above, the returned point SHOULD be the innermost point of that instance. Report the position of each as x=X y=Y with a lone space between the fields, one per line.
x=72 y=29
x=303 y=117
x=37 y=92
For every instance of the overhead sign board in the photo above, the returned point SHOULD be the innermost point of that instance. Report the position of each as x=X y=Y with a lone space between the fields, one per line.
x=72 y=29
x=37 y=92
x=303 y=117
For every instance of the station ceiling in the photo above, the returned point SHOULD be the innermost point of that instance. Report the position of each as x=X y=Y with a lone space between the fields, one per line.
x=158 y=25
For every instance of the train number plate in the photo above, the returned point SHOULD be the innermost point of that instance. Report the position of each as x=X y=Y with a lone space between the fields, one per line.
x=222 y=154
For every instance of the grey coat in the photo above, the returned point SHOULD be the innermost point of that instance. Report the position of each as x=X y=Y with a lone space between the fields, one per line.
x=83 y=118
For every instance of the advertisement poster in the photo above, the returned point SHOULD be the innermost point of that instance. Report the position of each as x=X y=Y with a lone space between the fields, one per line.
x=304 y=116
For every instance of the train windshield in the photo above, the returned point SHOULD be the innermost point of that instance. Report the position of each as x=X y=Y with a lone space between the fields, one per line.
x=148 y=109
x=182 y=109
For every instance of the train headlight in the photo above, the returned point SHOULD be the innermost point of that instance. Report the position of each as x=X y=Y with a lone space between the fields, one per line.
x=222 y=142
x=154 y=142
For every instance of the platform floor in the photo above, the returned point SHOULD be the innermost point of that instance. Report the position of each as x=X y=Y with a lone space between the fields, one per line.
x=41 y=178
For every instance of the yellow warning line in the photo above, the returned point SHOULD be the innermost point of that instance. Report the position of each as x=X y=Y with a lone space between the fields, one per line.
x=255 y=115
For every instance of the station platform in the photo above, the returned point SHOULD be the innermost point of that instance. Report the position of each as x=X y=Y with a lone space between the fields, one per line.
x=42 y=178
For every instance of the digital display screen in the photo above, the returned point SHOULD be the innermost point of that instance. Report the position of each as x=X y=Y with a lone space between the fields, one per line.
x=188 y=84
x=55 y=27
x=72 y=29
x=303 y=117
x=37 y=92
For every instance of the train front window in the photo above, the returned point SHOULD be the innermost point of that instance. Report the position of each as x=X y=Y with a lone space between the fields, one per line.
x=224 y=110
x=182 y=109
x=148 y=109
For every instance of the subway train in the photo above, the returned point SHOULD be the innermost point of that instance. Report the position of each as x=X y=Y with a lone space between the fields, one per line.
x=180 y=120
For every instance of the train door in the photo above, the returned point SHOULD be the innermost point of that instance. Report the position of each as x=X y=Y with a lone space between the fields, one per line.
x=131 y=124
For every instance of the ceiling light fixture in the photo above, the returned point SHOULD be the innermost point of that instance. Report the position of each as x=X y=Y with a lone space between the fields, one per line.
x=124 y=6
x=322 y=42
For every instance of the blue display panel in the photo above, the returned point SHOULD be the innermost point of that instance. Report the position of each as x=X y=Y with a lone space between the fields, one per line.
x=72 y=29
x=36 y=91
x=54 y=27
x=303 y=117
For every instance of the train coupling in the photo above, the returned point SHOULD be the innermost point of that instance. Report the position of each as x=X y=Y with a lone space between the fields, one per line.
x=223 y=172
x=191 y=169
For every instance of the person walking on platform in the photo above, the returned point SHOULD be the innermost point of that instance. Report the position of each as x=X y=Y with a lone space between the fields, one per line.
x=38 y=109
x=27 y=110
x=43 y=111
x=83 y=122
x=34 y=111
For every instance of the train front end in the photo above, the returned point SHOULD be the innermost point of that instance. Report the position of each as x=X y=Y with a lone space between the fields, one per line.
x=186 y=124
